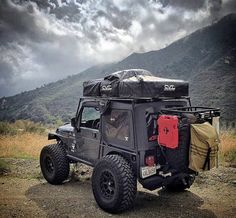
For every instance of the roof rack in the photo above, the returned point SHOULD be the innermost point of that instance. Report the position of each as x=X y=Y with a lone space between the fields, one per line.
x=141 y=99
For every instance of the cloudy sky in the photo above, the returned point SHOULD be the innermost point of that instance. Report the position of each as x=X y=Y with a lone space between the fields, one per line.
x=45 y=40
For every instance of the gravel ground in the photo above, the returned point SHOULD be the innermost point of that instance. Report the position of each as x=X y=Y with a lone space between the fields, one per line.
x=24 y=193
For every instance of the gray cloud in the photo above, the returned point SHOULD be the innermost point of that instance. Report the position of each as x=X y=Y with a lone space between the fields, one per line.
x=22 y=20
x=215 y=8
x=45 y=40
x=189 y=4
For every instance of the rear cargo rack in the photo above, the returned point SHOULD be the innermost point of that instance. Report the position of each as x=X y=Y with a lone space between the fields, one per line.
x=197 y=111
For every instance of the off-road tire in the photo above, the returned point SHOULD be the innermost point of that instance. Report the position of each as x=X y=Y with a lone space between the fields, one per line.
x=54 y=164
x=123 y=180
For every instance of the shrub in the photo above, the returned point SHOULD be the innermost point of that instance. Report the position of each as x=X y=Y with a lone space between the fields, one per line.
x=7 y=129
x=21 y=126
x=29 y=126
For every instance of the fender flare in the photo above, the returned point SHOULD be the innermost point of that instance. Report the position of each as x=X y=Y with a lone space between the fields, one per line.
x=56 y=136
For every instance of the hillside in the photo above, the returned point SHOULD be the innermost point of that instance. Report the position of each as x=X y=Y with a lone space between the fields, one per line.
x=50 y=103
x=206 y=58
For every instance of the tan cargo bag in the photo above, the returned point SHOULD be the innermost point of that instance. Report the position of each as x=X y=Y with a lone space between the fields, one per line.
x=204 y=147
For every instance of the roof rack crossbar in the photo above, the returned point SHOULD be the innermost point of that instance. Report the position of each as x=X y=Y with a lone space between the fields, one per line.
x=133 y=99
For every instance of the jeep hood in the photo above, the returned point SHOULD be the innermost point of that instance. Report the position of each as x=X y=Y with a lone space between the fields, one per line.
x=65 y=128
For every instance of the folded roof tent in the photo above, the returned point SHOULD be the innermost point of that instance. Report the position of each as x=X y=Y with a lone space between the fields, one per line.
x=135 y=83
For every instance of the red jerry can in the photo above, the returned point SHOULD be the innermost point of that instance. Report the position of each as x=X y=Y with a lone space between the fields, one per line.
x=168 y=135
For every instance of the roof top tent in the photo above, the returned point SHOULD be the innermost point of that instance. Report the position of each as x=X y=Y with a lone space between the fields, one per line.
x=135 y=83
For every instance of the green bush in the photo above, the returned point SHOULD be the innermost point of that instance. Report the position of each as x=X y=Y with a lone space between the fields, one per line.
x=29 y=126
x=7 y=129
x=21 y=126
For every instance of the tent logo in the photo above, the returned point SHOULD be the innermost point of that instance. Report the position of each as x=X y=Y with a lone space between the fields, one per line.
x=169 y=88
x=106 y=88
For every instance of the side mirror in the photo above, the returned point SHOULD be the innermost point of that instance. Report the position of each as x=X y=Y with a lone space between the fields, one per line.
x=73 y=122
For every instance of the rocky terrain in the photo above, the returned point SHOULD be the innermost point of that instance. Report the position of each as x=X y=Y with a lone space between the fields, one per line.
x=24 y=193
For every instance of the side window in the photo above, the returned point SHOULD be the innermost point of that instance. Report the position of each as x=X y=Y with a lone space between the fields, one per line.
x=117 y=126
x=90 y=117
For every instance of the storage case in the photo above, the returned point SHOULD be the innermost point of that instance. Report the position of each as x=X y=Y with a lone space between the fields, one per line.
x=135 y=83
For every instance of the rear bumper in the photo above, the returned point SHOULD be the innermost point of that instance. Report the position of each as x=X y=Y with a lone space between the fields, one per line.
x=156 y=181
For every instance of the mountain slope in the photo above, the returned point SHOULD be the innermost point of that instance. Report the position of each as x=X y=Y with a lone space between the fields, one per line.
x=50 y=103
x=206 y=58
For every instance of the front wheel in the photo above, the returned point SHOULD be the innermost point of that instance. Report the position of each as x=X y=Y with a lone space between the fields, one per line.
x=114 y=184
x=54 y=164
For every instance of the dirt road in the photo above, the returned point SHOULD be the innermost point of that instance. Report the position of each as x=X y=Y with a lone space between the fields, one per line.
x=23 y=193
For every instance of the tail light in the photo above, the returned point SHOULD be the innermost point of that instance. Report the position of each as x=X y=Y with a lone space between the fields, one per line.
x=150 y=161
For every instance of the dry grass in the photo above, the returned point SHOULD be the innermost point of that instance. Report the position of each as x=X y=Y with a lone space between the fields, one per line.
x=29 y=144
x=228 y=142
x=22 y=145
x=228 y=147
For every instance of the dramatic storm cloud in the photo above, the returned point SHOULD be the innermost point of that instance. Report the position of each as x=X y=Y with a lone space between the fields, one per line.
x=46 y=40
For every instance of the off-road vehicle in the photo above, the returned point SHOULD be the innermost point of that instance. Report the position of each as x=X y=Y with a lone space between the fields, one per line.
x=132 y=138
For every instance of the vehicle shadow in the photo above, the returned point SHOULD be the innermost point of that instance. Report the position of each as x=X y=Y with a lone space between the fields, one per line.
x=75 y=199
x=162 y=203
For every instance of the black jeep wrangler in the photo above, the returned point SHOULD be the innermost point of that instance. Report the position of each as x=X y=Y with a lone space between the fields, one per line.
x=125 y=140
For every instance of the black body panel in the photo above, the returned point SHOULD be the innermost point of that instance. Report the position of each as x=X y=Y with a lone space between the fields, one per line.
x=127 y=127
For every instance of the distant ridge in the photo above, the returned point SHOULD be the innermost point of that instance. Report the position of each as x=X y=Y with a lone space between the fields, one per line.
x=206 y=58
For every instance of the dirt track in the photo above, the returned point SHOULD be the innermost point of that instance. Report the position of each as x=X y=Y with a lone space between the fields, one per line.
x=24 y=193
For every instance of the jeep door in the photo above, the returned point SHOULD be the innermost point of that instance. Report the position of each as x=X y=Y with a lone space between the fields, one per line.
x=88 y=135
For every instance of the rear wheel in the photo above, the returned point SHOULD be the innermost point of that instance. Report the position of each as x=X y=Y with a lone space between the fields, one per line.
x=54 y=164
x=114 y=184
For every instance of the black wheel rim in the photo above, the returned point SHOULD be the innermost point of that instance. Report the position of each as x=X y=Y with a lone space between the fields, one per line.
x=107 y=185
x=49 y=164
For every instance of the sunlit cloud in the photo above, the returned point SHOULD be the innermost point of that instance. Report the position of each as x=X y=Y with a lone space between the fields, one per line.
x=43 y=41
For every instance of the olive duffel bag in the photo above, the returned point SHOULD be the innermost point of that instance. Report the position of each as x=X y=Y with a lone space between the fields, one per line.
x=204 y=147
